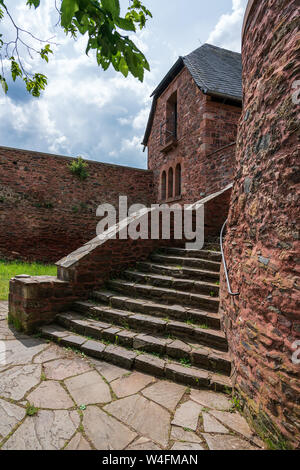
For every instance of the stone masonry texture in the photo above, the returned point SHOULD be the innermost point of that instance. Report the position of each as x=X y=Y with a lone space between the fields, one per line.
x=262 y=243
x=46 y=211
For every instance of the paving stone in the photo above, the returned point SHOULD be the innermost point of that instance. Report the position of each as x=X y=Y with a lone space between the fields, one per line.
x=178 y=349
x=217 y=401
x=64 y=368
x=109 y=371
x=78 y=442
x=50 y=394
x=220 y=383
x=167 y=394
x=105 y=432
x=7 y=332
x=93 y=348
x=110 y=334
x=48 y=430
x=23 y=350
x=151 y=323
x=146 y=417
x=149 y=344
x=210 y=424
x=17 y=381
x=88 y=388
x=150 y=364
x=143 y=443
x=51 y=353
x=189 y=446
x=131 y=384
x=187 y=415
x=125 y=338
x=54 y=331
x=119 y=356
x=73 y=341
x=187 y=375
x=10 y=415
x=234 y=421
x=179 y=434
x=227 y=443
x=95 y=331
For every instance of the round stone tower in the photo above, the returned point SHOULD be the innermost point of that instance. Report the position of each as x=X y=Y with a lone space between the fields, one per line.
x=262 y=241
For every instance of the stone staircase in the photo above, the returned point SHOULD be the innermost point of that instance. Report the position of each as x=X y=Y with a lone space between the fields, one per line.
x=159 y=318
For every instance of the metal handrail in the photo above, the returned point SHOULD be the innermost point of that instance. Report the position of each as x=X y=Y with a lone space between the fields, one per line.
x=224 y=262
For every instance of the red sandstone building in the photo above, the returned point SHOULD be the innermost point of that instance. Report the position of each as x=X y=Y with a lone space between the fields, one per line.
x=192 y=127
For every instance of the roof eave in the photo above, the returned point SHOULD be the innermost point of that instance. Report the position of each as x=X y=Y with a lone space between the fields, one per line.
x=222 y=95
x=173 y=72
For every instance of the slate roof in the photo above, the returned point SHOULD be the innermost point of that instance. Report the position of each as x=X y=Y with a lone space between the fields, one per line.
x=216 y=71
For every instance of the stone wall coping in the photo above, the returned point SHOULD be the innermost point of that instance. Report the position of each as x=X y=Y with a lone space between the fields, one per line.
x=34 y=280
x=69 y=158
x=195 y=205
x=109 y=234
x=85 y=250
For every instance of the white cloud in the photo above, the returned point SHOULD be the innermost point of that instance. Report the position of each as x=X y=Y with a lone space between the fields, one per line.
x=227 y=32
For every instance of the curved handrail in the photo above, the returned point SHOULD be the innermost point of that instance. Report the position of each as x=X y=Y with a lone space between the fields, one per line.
x=224 y=262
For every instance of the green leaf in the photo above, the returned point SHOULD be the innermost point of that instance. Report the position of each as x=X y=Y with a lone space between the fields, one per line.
x=68 y=10
x=15 y=69
x=123 y=67
x=35 y=3
x=4 y=84
x=113 y=6
x=125 y=23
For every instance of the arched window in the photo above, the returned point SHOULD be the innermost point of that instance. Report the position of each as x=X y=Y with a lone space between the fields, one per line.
x=170 y=183
x=163 y=186
x=178 y=180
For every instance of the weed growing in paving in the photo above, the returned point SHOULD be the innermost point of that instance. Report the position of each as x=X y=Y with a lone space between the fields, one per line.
x=185 y=362
x=31 y=410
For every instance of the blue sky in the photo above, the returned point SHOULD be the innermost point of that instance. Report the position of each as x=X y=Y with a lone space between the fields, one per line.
x=101 y=115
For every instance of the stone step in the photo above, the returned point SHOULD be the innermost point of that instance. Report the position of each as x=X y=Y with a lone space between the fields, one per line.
x=202 y=254
x=188 y=285
x=197 y=355
x=141 y=322
x=178 y=272
x=138 y=360
x=185 y=261
x=156 y=309
x=168 y=296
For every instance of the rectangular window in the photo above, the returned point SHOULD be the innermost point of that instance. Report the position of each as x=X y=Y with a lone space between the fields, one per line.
x=172 y=118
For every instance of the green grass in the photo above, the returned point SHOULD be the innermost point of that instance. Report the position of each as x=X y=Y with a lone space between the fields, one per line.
x=10 y=269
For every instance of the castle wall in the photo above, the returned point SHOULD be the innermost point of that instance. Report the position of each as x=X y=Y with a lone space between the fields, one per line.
x=204 y=126
x=262 y=243
x=46 y=211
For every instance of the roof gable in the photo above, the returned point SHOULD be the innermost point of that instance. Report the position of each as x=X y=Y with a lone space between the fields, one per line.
x=216 y=71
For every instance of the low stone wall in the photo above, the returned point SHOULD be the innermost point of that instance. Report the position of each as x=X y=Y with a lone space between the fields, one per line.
x=46 y=211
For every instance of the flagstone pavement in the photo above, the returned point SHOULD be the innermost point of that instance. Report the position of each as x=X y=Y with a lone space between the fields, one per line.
x=84 y=404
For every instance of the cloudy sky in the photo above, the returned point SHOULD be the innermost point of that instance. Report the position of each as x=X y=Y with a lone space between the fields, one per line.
x=101 y=115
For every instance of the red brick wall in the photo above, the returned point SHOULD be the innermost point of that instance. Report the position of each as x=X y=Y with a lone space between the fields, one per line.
x=203 y=127
x=262 y=244
x=46 y=212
